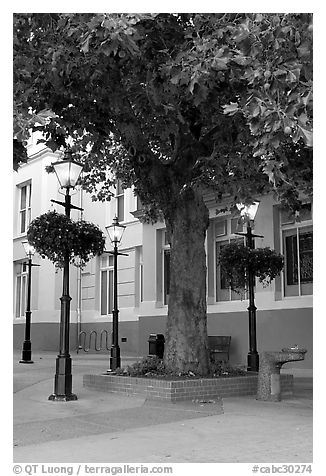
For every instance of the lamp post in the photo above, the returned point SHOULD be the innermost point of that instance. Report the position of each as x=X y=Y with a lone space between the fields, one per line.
x=67 y=172
x=115 y=232
x=27 y=344
x=249 y=213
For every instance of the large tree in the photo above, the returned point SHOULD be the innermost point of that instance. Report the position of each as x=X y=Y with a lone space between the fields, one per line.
x=175 y=104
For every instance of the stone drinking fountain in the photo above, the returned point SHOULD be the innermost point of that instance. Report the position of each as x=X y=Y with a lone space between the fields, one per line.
x=269 y=385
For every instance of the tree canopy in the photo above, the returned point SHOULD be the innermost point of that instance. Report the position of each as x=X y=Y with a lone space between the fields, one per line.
x=217 y=100
x=174 y=104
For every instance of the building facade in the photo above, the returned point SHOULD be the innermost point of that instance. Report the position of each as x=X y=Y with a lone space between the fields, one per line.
x=284 y=309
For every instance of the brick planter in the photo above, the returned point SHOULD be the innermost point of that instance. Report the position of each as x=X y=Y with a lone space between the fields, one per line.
x=180 y=390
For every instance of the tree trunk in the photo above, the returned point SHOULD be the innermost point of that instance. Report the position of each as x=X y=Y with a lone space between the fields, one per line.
x=186 y=336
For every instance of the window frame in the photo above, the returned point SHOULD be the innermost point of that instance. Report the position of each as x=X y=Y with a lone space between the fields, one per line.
x=108 y=268
x=141 y=280
x=22 y=276
x=120 y=201
x=166 y=274
x=165 y=250
x=228 y=236
x=139 y=205
x=27 y=210
x=292 y=228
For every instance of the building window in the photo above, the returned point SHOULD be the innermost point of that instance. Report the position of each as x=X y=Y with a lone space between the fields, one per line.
x=21 y=289
x=297 y=244
x=225 y=230
x=141 y=277
x=166 y=276
x=163 y=268
x=106 y=285
x=166 y=255
x=141 y=282
x=139 y=205
x=25 y=194
x=120 y=201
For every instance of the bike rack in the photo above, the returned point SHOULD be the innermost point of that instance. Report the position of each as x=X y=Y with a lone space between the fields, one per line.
x=84 y=339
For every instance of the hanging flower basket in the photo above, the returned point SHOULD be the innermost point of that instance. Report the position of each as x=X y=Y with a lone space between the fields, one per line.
x=236 y=259
x=55 y=235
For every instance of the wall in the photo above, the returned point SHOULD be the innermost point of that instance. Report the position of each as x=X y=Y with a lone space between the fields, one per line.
x=275 y=330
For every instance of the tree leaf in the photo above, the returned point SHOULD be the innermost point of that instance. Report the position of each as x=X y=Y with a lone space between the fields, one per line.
x=231 y=108
x=220 y=64
x=85 y=46
x=307 y=136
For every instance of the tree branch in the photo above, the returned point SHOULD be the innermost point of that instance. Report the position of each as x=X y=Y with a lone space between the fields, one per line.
x=208 y=136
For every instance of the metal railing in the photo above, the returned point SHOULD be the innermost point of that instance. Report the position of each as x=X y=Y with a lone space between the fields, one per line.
x=85 y=340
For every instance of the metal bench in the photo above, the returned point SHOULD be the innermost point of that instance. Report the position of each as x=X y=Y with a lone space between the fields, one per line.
x=219 y=348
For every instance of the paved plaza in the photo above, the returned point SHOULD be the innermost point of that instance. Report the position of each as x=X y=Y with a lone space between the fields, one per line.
x=105 y=428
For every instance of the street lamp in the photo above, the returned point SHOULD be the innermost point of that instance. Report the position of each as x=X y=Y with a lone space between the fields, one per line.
x=67 y=172
x=248 y=212
x=115 y=232
x=27 y=344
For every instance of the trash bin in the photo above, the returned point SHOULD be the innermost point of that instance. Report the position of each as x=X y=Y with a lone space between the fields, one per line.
x=156 y=345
